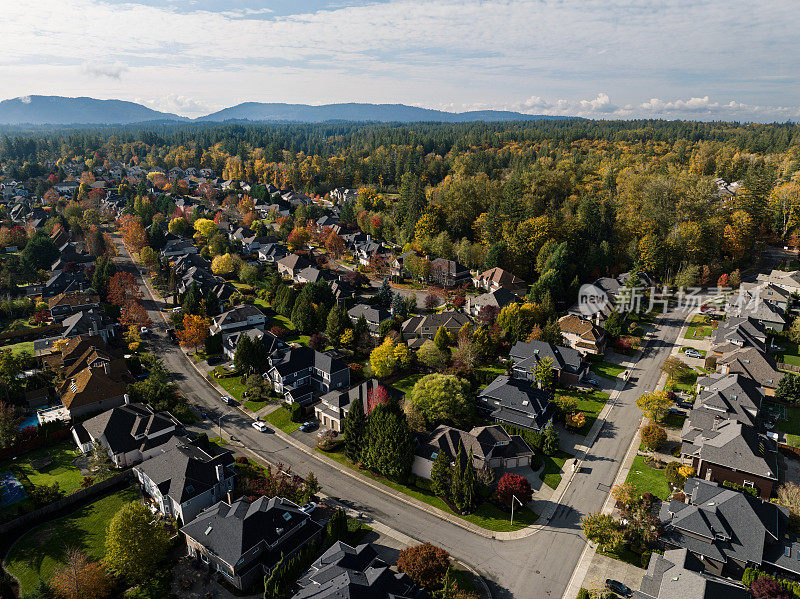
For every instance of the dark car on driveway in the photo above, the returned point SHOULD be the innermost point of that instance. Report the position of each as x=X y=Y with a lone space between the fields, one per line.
x=615 y=586
x=308 y=426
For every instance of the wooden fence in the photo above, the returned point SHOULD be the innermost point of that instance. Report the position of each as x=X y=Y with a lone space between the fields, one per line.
x=121 y=479
x=789 y=367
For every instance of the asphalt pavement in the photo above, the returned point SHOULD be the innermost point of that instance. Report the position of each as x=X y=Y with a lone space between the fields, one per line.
x=538 y=566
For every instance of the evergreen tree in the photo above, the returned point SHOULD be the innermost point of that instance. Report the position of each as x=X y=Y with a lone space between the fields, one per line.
x=440 y=475
x=390 y=448
x=337 y=322
x=355 y=428
x=550 y=445
x=337 y=527
x=457 y=478
x=385 y=295
x=191 y=301
x=361 y=331
x=273 y=582
x=442 y=338
x=399 y=307
x=304 y=318
x=468 y=483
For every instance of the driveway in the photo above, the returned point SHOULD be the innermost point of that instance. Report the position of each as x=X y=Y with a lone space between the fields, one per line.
x=539 y=566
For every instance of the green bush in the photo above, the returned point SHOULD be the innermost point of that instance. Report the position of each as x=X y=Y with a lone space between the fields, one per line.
x=297 y=412
x=583 y=594
x=752 y=491
x=645 y=559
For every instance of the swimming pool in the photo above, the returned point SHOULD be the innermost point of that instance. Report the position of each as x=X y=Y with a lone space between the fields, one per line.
x=29 y=421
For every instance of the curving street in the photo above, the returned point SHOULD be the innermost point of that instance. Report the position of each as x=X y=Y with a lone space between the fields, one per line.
x=538 y=566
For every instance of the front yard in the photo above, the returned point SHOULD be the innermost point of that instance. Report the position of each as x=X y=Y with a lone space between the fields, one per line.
x=233 y=385
x=790 y=354
x=698 y=328
x=608 y=370
x=551 y=473
x=282 y=419
x=647 y=479
x=487 y=515
x=589 y=403
x=40 y=552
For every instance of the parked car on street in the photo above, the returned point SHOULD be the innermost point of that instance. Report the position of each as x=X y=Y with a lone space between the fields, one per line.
x=260 y=426
x=227 y=399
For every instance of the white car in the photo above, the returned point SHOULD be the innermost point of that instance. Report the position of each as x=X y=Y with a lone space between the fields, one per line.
x=227 y=399
x=178 y=309
x=144 y=330
x=260 y=426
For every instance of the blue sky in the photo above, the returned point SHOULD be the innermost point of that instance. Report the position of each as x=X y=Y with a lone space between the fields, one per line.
x=696 y=59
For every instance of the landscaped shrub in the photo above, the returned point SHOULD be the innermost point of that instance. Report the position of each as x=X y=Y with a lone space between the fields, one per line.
x=583 y=594
x=297 y=412
x=653 y=436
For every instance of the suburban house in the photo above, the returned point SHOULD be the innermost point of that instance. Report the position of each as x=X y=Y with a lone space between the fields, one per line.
x=567 y=363
x=449 y=273
x=62 y=282
x=729 y=531
x=246 y=316
x=272 y=252
x=343 y=292
x=397 y=268
x=680 y=573
x=68 y=351
x=66 y=304
x=375 y=316
x=516 y=401
x=751 y=363
x=748 y=304
x=738 y=332
x=290 y=266
x=245 y=540
x=230 y=341
x=312 y=274
x=87 y=322
x=420 y=328
x=498 y=298
x=731 y=396
x=582 y=334
x=497 y=278
x=772 y=294
x=130 y=433
x=351 y=572
x=790 y=281
x=723 y=450
x=334 y=405
x=187 y=479
x=300 y=373
x=178 y=247
x=491 y=446
x=93 y=389
x=608 y=294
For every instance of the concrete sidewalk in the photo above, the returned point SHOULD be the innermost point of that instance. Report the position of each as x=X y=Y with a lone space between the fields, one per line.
x=585 y=564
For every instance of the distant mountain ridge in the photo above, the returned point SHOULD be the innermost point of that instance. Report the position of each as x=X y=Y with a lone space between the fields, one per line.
x=60 y=110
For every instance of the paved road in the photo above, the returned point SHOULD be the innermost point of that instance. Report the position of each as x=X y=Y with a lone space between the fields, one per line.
x=536 y=567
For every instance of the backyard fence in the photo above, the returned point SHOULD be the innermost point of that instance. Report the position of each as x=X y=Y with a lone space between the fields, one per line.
x=43 y=439
x=789 y=367
x=121 y=479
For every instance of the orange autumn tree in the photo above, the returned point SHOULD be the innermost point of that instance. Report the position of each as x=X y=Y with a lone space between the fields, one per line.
x=80 y=577
x=134 y=314
x=123 y=288
x=133 y=232
x=195 y=331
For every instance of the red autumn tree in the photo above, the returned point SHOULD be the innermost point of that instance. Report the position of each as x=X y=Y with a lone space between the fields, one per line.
x=123 y=288
x=133 y=232
x=334 y=244
x=513 y=485
x=298 y=238
x=425 y=564
x=133 y=313
x=377 y=396
x=766 y=588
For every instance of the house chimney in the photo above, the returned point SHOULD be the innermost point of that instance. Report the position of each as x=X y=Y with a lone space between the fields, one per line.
x=220 y=472
x=127 y=399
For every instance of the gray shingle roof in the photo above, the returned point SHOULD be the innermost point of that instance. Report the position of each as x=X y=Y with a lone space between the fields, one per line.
x=520 y=402
x=527 y=354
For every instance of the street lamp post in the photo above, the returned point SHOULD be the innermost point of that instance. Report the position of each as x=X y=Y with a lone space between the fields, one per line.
x=513 y=499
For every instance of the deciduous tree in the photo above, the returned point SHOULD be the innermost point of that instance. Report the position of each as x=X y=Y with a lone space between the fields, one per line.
x=425 y=564
x=80 y=577
x=442 y=398
x=136 y=543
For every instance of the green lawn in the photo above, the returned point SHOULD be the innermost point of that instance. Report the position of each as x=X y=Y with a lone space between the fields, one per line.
x=218 y=441
x=18 y=348
x=590 y=404
x=233 y=385
x=62 y=470
x=687 y=383
x=790 y=353
x=551 y=473
x=282 y=419
x=624 y=555
x=789 y=425
x=19 y=324
x=698 y=328
x=255 y=406
x=486 y=516
x=647 y=479
x=406 y=384
x=607 y=369
x=40 y=551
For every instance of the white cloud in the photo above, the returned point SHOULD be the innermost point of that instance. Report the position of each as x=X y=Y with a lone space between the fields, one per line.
x=112 y=70
x=179 y=104
x=25 y=99
x=455 y=52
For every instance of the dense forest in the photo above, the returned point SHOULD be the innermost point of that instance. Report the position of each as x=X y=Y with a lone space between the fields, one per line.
x=556 y=202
